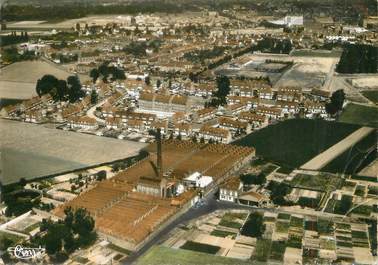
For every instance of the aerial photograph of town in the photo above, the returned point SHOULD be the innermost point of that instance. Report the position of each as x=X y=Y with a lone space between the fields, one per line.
x=188 y=132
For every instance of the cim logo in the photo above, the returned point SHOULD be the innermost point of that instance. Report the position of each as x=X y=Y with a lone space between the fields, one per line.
x=26 y=253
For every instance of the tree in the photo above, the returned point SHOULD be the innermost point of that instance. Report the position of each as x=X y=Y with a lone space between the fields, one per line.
x=147 y=80
x=158 y=83
x=254 y=226
x=202 y=140
x=223 y=85
x=94 y=74
x=101 y=175
x=194 y=139
x=94 y=97
x=344 y=205
x=336 y=103
x=74 y=89
x=249 y=179
x=46 y=84
x=179 y=137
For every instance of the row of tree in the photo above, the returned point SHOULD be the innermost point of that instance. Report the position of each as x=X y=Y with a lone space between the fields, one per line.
x=60 y=90
x=13 y=38
x=106 y=72
x=358 y=58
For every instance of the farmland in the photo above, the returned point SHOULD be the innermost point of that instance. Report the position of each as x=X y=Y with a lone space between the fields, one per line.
x=359 y=114
x=58 y=151
x=16 y=86
x=293 y=142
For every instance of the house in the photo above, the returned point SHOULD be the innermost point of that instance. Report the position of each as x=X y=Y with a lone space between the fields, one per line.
x=230 y=190
x=33 y=116
x=313 y=108
x=203 y=115
x=233 y=110
x=252 y=102
x=71 y=109
x=273 y=113
x=205 y=89
x=162 y=125
x=146 y=118
x=196 y=180
x=234 y=125
x=113 y=123
x=107 y=110
x=152 y=186
x=215 y=134
x=247 y=88
x=135 y=125
x=163 y=103
x=266 y=93
x=253 y=198
x=83 y=122
x=292 y=95
x=10 y=110
x=255 y=120
x=288 y=107
x=183 y=129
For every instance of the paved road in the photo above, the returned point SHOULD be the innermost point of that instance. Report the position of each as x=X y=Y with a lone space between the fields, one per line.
x=90 y=112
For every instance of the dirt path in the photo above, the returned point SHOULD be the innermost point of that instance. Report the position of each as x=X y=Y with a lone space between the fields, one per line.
x=334 y=151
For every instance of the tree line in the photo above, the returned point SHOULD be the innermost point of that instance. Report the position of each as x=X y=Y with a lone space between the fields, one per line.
x=358 y=58
x=60 y=90
x=106 y=71
x=13 y=38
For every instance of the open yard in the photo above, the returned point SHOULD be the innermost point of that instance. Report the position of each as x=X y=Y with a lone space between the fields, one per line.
x=359 y=114
x=293 y=142
x=29 y=151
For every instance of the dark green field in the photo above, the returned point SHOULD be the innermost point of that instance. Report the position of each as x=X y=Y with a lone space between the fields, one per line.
x=359 y=114
x=355 y=158
x=293 y=142
x=372 y=95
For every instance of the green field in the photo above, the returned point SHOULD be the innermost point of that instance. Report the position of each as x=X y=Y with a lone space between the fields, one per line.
x=162 y=255
x=293 y=142
x=361 y=115
x=195 y=246
x=320 y=182
x=372 y=95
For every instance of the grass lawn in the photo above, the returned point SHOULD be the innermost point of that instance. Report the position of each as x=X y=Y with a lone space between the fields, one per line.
x=194 y=246
x=158 y=255
x=361 y=115
x=372 y=95
x=221 y=233
x=283 y=216
x=293 y=142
